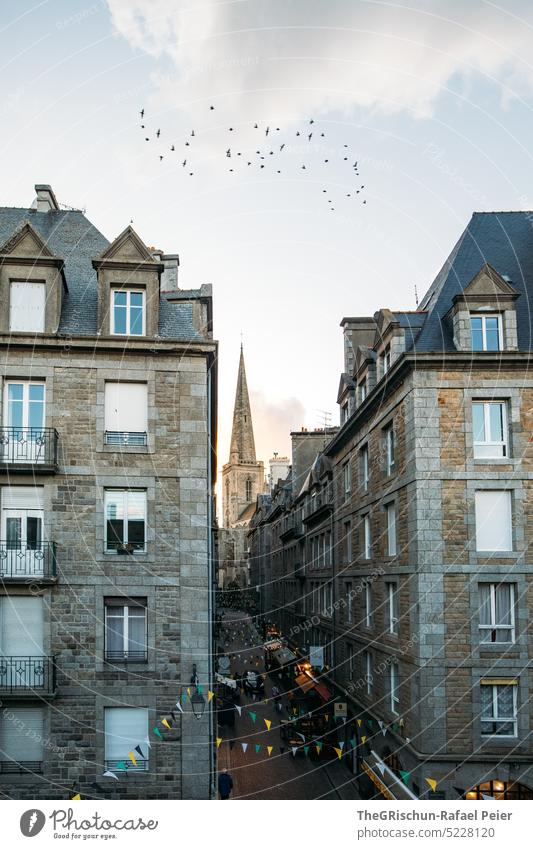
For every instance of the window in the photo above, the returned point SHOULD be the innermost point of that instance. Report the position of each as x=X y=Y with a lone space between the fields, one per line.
x=385 y=360
x=248 y=489
x=392 y=608
x=126 y=728
x=365 y=471
x=498 y=707
x=347 y=479
x=391 y=529
x=496 y=613
x=127 y=315
x=347 y=531
x=389 y=448
x=21 y=740
x=394 y=678
x=22 y=532
x=349 y=602
x=363 y=390
x=489 y=422
x=493 y=520
x=486 y=331
x=369 y=675
x=125 y=512
x=350 y=655
x=21 y=643
x=26 y=307
x=24 y=410
x=344 y=412
x=367 y=604
x=125 y=413
x=125 y=629
x=367 y=537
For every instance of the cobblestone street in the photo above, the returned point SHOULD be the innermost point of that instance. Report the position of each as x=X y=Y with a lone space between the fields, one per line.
x=256 y=775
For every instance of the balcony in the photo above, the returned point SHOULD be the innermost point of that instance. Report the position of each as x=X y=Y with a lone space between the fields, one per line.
x=27 y=676
x=23 y=563
x=28 y=449
x=292 y=529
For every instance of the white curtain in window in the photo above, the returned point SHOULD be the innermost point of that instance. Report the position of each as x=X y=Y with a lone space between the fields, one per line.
x=503 y=604
x=26 y=307
x=493 y=520
x=125 y=728
x=484 y=605
x=21 y=734
x=126 y=407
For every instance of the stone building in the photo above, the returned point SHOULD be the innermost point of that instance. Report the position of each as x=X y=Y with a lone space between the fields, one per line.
x=424 y=598
x=106 y=480
x=243 y=479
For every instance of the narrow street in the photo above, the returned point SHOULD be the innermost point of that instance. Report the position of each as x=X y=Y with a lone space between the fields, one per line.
x=256 y=774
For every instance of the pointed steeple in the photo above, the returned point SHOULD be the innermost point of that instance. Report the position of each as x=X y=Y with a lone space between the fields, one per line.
x=242 y=435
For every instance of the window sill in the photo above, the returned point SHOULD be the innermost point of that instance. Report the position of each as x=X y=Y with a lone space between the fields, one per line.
x=126 y=449
x=495 y=461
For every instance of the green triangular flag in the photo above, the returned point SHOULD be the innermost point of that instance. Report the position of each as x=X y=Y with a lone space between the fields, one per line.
x=394 y=726
x=122 y=765
x=199 y=688
x=306 y=750
x=257 y=747
x=370 y=723
x=253 y=715
x=352 y=742
x=405 y=776
x=156 y=731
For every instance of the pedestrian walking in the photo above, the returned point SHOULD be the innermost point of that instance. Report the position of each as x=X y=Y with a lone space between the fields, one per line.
x=225 y=784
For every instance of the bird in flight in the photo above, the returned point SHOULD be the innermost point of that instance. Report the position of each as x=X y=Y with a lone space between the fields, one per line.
x=311 y=121
x=172 y=148
x=192 y=134
x=147 y=139
x=256 y=126
x=282 y=146
x=158 y=133
x=142 y=113
x=310 y=136
x=184 y=163
x=142 y=126
x=160 y=158
x=228 y=152
x=267 y=131
x=211 y=107
x=297 y=132
x=187 y=144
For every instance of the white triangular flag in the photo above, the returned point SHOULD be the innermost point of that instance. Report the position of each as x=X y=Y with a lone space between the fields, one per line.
x=487 y=797
x=179 y=707
x=381 y=768
x=301 y=735
x=147 y=743
x=238 y=708
x=341 y=745
x=244 y=746
x=294 y=750
x=109 y=774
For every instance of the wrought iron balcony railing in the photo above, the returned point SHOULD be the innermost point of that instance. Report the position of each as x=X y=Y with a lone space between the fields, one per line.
x=125 y=437
x=28 y=448
x=27 y=675
x=26 y=561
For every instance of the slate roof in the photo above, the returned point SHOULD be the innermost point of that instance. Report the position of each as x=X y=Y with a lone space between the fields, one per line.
x=71 y=236
x=503 y=239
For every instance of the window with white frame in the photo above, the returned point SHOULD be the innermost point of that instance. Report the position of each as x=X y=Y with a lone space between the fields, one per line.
x=344 y=412
x=21 y=740
x=128 y=312
x=349 y=602
x=497 y=612
x=367 y=604
x=391 y=590
x=125 y=513
x=489 y=425
x=347 y=531
x=27 y=306
x=385 y=360
x=365 y=469
x=499 y=707
x=394 y=687
x=390 y=510
x=369 y=673
x=390 y=448
x=126 y=728
x=486 y=332
x=347 y=479
x=367 y=537
x=125 y=629
x=493 y=520
x=363 y=389
x=126 y=408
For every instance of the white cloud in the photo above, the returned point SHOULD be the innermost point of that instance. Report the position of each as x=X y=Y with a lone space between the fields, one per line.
x=293 y=58
x=273 y=422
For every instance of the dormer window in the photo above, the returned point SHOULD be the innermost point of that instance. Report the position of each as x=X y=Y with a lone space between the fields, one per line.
x=128 y=312
x=385 y=360
x=486 y=331
x=363 y=390
x=26 y=307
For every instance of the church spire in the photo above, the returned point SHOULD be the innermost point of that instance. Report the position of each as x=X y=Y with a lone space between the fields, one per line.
x=242 y=435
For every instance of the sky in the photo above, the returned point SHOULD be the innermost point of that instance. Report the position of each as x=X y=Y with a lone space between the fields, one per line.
x=433 y=100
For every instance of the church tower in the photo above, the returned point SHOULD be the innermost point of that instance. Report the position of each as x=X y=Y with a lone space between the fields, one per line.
x=243 y=477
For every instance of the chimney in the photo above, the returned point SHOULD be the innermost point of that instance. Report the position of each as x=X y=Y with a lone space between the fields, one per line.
x=357 y=331
x=169 y=278
x=46 y=199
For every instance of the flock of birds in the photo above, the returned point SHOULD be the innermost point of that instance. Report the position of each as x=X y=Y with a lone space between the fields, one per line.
x=270 y=153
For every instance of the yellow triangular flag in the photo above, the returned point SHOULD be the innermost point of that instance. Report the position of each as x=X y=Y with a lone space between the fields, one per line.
x=363 y=738
x=77 y=797
x=189 y=692
x=269 y=750
x=432 y=783
x=339 y=752
x=165 y=722
x=132 y=758
x=219 y=741
x=359 y=722
x=268 y=723
x=209 y=695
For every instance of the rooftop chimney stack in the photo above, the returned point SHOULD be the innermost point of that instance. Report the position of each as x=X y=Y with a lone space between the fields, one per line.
x=46 y=199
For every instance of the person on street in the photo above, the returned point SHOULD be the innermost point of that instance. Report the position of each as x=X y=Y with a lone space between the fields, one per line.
x=225 y=784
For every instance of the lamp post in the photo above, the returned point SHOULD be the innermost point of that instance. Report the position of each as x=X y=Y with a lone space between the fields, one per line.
x=198 y=705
